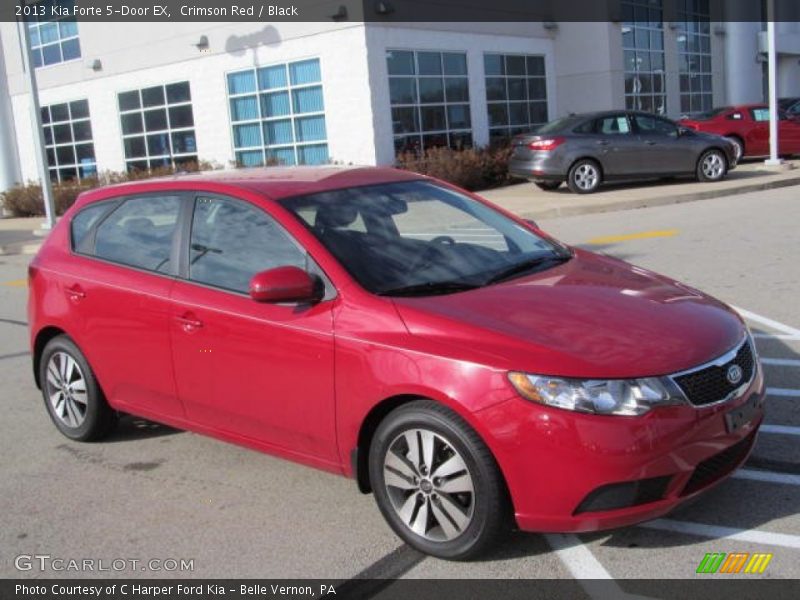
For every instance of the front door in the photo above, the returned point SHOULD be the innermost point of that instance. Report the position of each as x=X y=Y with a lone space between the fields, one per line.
x=263 y=372
x=617 y=146
x=663 y=151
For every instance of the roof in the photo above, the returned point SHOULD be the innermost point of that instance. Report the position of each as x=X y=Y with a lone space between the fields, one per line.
x=278 y=182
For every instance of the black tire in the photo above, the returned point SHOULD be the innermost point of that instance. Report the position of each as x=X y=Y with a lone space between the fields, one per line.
x=483 y=514
x=84 y=420
x=548 y=186
x=711 y=166
x=584 y=176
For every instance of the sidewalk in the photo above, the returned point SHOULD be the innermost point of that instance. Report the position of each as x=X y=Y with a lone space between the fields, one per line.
x=24 y=236
x=529 y=201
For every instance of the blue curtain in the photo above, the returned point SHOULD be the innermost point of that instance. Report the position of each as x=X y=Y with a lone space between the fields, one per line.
x=308 y=100
x=246 y=136
x=310 y=129
x=275 y=104
x=244 y=109
x=251 y=158
x=278 y=132
x=242 y=82
x=49 y=32
x=306 y=71
x=313 y=155
x=68 y=29
x=270 y=78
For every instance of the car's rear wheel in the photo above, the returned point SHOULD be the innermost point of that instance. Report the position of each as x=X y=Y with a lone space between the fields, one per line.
x=436 y=482
x=738 y=146
x=584 y=177
x=548 y=186
x=712 y=166
x=73 y=399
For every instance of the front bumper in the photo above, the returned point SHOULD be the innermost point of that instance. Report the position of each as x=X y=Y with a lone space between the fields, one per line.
x=554 y=461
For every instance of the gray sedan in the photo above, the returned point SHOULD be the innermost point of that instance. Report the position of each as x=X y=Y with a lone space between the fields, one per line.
x=585 y=150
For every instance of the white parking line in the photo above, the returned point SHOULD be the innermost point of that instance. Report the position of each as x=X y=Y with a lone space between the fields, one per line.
x=777 y=336
x=576 y=557
x=781 y=362
x=756 y=536
x=786 y=392
x=780 y=429
x=782 y=327
x=767 y=476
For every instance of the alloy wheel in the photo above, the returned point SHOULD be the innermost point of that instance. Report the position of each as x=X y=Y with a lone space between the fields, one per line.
x=66 y=389
x=586 y=176
x=429 y=485
x=713 y=166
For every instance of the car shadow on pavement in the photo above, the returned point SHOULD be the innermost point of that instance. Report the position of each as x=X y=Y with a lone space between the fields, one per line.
x=131 y=428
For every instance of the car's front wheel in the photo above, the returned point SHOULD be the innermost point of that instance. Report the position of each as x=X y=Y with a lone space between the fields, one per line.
x=712 y=166
x=73 y=399
x=738 y=146
x=584 y=177
x=436 y=482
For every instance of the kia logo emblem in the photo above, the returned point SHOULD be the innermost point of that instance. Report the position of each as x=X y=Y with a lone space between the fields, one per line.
x=734 y=374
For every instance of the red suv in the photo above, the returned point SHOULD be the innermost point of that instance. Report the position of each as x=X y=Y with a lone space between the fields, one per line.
x=453 y=359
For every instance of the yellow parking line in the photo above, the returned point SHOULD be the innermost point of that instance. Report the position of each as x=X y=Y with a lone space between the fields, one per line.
x=612 y=239
x=16 y=283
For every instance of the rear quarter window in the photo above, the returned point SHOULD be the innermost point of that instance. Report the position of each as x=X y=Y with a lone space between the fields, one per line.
x=83 y=222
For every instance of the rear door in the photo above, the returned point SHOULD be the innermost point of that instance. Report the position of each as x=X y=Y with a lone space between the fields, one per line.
x=663 y=151
x=118 y=287
x=263 y=372
x=617 y=147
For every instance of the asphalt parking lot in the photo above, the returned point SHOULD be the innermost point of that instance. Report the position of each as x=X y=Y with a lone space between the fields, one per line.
x=151 y=492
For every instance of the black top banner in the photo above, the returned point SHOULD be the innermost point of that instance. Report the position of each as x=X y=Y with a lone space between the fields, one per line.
x=399 y=10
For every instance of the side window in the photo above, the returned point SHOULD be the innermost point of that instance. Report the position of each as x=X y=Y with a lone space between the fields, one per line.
x=231 y=241
x=83 y=222
x=139 y=233
x=654 y=126
x=760 y=114
x=585 y=127
x=613 y=125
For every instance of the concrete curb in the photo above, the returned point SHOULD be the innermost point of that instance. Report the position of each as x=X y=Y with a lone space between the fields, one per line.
x=633 y=203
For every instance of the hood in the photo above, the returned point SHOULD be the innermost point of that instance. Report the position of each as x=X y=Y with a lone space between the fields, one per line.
x=593 y=316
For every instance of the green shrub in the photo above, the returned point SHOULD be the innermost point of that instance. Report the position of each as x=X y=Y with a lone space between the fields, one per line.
x=471 y=168
x=26 y=200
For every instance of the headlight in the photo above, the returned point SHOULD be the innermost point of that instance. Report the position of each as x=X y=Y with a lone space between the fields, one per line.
x=602 y=397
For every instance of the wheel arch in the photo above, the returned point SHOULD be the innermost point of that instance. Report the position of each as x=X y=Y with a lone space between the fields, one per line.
x=42 y=338
x=359 y=455
x=594 y=159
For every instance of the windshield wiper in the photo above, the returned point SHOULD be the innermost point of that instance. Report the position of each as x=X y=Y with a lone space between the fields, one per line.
x=430 y=288
x=527 y=265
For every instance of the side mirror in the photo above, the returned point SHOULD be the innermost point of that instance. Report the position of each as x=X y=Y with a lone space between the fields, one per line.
x=682 y=131
x=532 y=223
x=284 y=284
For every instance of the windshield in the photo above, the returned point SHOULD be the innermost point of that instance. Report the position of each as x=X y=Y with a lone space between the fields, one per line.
x=418 y=238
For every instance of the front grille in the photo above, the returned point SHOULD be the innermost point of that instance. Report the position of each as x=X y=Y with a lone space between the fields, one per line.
x=719 y=465
x=710 y=384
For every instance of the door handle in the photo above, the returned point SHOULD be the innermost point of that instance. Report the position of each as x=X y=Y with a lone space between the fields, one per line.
x=75 y=292
x=189 y=322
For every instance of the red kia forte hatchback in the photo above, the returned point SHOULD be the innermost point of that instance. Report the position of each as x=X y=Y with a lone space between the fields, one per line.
x=469 y=370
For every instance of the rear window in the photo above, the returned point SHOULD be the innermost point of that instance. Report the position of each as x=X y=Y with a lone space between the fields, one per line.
x=562 y=124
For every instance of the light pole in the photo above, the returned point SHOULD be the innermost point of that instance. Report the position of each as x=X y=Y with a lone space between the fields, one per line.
x=773 y=159
x=36 y=122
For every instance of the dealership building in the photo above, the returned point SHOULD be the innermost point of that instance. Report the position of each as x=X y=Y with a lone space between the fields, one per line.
x=119 y=96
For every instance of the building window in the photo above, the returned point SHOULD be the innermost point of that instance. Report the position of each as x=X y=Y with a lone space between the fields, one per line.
x=516 y=93
x=68 y=141
x=694 y=56
x=53 y=40
x=429 y=97
x=158 y=127
x=643 y=49
x=278 y=115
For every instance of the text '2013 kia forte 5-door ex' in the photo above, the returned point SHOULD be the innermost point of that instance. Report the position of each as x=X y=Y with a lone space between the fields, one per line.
x=469 y=370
